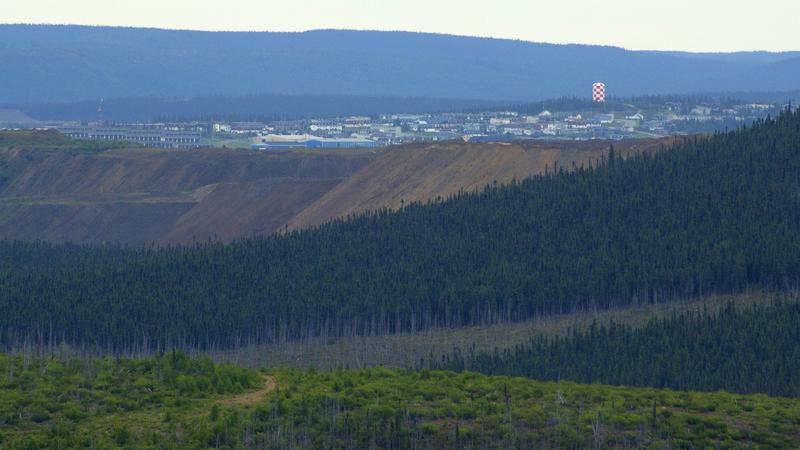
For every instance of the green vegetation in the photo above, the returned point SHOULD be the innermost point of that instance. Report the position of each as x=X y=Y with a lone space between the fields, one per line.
x=715 y=215
x=436 y=409
x=745 y=350
x=51 y=140
x=647 y=104
x=102 y=403
x=246 y=108
x=231 y=141
x=178 y=402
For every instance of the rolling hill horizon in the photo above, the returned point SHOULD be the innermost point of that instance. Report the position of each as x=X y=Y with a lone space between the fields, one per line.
x=752 y=54
x=63 y=63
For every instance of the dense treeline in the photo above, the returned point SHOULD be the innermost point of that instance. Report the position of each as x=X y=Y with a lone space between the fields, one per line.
x=704 y=126
x=709 y=216
x=740 y=350
x=263 y=107
x=651 y=104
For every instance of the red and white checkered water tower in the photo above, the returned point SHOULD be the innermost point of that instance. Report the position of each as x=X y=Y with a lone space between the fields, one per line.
x=599 y=92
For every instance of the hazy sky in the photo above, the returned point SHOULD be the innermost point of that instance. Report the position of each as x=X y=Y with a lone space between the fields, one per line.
x=693 y=25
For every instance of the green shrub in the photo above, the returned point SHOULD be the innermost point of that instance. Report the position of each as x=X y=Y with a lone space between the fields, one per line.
x=121 y=435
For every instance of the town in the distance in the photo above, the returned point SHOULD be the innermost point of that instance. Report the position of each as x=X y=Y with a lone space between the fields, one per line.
x=559 y=119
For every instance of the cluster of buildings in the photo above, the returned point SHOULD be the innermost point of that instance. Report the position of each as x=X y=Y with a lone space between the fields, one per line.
x=366 y=132
x=678 y=118
x=593 y=123
x=598 y=121
x=150 y=135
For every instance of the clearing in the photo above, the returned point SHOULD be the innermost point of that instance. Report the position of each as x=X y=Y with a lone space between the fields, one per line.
x=407 y=349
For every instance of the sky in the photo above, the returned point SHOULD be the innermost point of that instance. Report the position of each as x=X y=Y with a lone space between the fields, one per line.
x=689 y=25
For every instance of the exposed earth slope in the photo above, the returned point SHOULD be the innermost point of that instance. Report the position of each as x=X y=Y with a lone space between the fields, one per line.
x=139 y=196
x=426 y=172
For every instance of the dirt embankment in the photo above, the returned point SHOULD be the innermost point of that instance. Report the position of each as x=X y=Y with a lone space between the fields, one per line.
x=424 y=172
x=141 y=196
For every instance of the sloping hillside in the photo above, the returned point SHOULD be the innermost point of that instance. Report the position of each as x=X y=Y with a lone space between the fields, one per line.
x=136 y=196
x=233 y=210
x=72 y=63
x=54 y=189
x=426 y=172
x=711 y=216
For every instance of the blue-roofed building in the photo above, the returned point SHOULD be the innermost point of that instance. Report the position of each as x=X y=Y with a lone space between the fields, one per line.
x=341 y=143
x=279 y=142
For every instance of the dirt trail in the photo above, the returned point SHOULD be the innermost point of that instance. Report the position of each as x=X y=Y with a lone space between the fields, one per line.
x=252 y=397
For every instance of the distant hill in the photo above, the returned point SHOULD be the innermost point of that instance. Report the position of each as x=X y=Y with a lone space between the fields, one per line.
x=754 y=58
x=43 y=63
x=15 y=117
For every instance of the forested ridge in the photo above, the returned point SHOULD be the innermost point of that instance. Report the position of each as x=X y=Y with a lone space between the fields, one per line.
x=750 y=350
x=262 y=107
x=712 y=215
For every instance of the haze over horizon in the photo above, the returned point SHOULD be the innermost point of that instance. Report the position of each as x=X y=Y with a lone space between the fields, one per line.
x=681 y=25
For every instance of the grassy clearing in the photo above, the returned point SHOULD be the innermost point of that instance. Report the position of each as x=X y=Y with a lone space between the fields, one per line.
x=108 y=402
x=386 y=408
x=406 y=349
x=178 y=402
x=236 y=142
